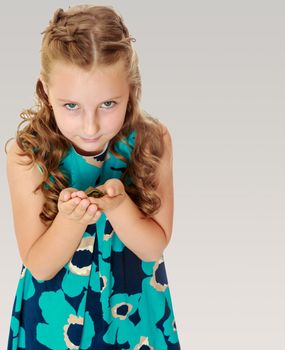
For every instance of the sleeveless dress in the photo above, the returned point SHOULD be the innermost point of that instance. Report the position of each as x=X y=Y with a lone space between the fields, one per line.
x=105 y=297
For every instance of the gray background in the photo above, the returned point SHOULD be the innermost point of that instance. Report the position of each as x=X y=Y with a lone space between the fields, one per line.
x=213 y=72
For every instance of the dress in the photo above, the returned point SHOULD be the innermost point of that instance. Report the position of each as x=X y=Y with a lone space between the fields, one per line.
x=105 y=297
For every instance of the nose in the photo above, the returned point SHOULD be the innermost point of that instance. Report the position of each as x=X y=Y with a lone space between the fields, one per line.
x=91 y=127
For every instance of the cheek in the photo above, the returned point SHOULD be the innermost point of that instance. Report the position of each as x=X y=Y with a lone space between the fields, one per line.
x=65 y=123
x=117 y=123
x=113 y=123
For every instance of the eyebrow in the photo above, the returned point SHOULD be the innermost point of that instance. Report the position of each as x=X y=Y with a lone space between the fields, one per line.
x=67 y=100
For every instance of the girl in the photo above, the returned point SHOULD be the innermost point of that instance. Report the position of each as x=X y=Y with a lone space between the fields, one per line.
x=93 y=273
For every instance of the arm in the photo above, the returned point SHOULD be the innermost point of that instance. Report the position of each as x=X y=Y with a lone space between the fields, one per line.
x=148 y=237
x=53 y=249
x=142 y=235
x=43 y=250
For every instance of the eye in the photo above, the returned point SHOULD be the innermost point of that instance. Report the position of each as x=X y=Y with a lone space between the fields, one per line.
x=111 y=102
x=74 y=104
x=70 y=104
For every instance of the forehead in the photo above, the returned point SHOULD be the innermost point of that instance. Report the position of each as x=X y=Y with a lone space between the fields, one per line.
x=104 y=79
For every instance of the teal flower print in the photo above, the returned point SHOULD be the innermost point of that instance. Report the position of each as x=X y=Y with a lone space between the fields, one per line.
x=78 y=268
x=155 y=296
x=62 y=322
x=26 y=288
x=102 y=281
x=120 y=328
x=20 y=290
x=18 y=334
x=170 y=329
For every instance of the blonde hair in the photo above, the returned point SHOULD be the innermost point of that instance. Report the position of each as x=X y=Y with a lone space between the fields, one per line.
x=87 y=35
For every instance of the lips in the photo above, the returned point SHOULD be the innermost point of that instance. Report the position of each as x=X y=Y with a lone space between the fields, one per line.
x=90 y=140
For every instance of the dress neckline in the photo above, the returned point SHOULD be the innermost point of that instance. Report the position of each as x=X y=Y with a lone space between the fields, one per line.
x=93 y=155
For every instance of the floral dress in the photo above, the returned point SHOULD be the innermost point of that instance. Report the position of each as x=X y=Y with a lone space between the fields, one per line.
x=105 y=297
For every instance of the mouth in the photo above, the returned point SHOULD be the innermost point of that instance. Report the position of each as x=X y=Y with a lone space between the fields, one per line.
x=90 y=140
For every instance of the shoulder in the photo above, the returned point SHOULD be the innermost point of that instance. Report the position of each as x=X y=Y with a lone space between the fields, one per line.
x=167 y=143
x=165 y=167
x=167 y=138
x=26 y=203
x=15 y=152
x=17 y=162
x=16 y=157
x=12 y=148
x=161 y=130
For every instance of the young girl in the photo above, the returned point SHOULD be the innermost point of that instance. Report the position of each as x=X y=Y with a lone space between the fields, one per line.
x=93 y=273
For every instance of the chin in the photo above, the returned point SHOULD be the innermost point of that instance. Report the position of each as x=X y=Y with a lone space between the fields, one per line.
x=91 y=148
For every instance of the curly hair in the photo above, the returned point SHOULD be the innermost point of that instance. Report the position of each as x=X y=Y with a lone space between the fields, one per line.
x=87 y=35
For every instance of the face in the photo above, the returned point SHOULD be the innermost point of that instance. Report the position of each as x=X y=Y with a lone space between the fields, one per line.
x=89 y=107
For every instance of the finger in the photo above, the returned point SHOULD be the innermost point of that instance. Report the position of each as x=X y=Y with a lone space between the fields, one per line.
x=81 y=208
x=110 y=191
x=92 y=211
x=94 y=200
x=114 y=187
x=91 y=215
x=68 y=206
x=113 y=192
x=113 y=181
x=101 y=188
x=97 y=201
x=80 y=194
x=72 y=205
x=65 y=194
x=92 y=207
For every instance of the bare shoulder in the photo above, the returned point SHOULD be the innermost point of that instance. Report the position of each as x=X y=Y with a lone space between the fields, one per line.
x=165 y=167
x=26 y=205
x=167 y=138
x=13 y=153
x=167 y=141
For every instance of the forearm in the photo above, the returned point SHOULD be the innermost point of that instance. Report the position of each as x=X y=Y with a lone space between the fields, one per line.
x=51 y=251
x=141 y=235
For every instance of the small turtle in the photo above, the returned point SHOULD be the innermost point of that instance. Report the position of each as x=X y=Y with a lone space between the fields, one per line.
x=94 y=192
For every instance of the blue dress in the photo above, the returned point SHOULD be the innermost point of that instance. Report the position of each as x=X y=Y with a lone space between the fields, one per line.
x=105 y=297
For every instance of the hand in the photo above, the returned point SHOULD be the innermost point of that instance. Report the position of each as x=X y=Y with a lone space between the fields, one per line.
x=116 y=194
x=75 y=205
